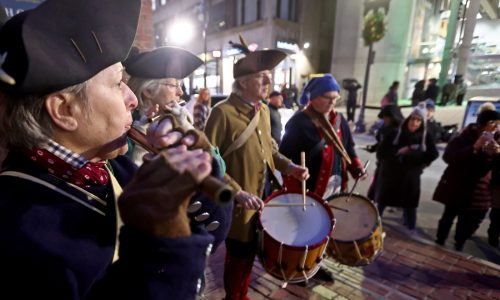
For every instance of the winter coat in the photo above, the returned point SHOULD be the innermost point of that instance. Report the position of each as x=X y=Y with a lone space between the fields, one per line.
x=398 y=181
x=465 y=181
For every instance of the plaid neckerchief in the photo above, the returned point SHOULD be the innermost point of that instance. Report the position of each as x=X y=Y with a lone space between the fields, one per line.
x=70 y=166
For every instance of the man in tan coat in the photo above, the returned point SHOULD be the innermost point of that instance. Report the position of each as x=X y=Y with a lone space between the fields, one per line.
x=249 y=160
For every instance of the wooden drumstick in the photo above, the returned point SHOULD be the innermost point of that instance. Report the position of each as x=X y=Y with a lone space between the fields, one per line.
x=303 y=164
x=336 y=207
x=356 y=182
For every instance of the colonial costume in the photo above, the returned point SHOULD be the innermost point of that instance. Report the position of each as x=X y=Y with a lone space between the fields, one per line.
x=248 y=164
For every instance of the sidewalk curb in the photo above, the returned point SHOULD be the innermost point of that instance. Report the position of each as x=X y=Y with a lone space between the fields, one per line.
x=394 y=225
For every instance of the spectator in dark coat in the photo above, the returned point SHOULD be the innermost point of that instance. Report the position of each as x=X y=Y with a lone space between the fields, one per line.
x=448 y=92
x=418 y=94
x=464 y=188
x=460 y=89
x=275 y=103
x=433 y=127
x=391 y=97
x=352 y=86
x=494 y=228
x=403 y=155
x=392 y=117
x=432 y=90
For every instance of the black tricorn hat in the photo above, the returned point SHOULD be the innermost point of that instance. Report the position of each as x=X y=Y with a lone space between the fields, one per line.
x=163 y=62
x=255 y=61
x=61 y=43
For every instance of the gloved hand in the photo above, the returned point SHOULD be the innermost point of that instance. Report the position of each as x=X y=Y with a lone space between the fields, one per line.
x=371 y=148
x=156 y=200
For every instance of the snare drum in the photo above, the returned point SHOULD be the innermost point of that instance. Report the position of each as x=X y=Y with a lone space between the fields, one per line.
x=292 y=241
x=357 y=238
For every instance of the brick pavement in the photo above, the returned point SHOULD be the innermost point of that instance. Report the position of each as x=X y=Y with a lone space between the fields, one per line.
x=409 y=268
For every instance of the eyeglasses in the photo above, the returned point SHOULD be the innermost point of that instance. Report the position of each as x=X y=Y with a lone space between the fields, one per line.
x=336 y=98
x=172 y=85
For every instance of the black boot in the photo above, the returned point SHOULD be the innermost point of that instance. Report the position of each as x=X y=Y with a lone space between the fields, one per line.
x=324 y=274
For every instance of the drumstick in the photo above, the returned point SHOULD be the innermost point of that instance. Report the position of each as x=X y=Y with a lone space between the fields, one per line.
x=336 y=207
x=356 y=182
x=303 y=164
x=288 y=204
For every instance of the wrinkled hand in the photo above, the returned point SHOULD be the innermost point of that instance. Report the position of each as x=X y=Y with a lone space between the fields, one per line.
x=297 y=172
x=156 y=200
x=169 y=131
x=182 y=115
x=249 y=201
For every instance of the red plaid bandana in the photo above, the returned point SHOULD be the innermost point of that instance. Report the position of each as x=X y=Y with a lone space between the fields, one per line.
x=90 y=174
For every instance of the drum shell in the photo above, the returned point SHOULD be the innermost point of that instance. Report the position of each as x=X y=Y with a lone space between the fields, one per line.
x=285 y=261
x=361 y=251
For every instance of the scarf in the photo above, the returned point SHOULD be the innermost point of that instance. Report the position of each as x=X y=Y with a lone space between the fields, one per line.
x=89 y=175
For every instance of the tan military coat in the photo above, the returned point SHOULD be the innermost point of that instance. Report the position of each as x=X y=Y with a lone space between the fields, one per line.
x=247 y=164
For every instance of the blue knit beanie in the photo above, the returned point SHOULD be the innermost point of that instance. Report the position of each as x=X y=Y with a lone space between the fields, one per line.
x=318 y=86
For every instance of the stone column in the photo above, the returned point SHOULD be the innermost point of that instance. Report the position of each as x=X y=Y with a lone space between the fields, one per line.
x=470 y=24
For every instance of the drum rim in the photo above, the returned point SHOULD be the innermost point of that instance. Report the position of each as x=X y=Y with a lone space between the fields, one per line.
x=372 y=230
x=316 y=197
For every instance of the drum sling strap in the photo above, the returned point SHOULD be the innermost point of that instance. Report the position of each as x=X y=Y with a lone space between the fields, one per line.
x=319 y=120
x=243 y=138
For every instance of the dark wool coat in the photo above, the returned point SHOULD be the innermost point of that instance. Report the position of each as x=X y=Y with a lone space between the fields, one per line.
x=276 y=126
x=54 y=246
x=398 y=181
x=465 y=181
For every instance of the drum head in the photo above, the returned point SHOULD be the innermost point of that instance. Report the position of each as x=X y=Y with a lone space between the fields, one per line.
x=360 y=220
x=292 y=225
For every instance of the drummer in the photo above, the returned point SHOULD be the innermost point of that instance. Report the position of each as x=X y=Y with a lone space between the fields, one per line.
x=324 y=135
x=249 y=159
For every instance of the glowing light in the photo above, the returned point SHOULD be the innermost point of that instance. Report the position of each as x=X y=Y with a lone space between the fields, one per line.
x=180 y=32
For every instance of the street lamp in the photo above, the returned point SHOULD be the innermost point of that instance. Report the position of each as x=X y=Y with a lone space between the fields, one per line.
x=180 y=31
x=373 y=31
x=205 y=26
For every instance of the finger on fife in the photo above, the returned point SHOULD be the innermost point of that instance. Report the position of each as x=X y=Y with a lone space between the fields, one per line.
x=212 y=187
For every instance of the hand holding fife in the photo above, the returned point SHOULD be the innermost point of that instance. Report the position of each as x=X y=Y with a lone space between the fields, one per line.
x=156 y=200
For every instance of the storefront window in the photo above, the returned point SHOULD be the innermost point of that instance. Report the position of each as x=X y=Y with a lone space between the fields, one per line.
x=247 y=11
x=287 y=10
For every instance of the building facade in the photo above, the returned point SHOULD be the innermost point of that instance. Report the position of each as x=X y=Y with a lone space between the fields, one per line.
x=325 y=36
x=264 y=24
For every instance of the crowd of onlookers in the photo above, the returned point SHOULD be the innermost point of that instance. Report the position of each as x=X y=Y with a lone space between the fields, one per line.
x=469 y=186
